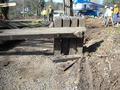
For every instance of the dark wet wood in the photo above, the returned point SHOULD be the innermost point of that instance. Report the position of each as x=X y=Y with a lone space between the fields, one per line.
x=57 y=46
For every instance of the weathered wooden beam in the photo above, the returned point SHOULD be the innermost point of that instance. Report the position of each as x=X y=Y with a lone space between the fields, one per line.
x=66 y=21
x=57 y=46
x=58 y=22
x=91 y=42
x=57 y=41
x=4 y=24
x=74 y=21
x=65 y=46
x=15 y=34
x=24 y=21
x=7 y=4
x=80 y=42
x=66 y=58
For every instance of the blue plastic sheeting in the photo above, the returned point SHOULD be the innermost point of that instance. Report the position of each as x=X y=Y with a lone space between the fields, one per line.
x=90 y=8
x=89 y=12
x=97 y=5
x=116 y=18
x=81 y=1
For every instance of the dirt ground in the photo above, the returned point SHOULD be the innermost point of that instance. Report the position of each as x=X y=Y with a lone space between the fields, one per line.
x=29 y=65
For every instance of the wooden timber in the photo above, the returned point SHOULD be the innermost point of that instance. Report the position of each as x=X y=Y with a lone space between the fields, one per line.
x=7 y=4
x=67 y=33
x=24 y=21
x=17 y=34
x=13 y=24
x=70 y=45
x=65 y=58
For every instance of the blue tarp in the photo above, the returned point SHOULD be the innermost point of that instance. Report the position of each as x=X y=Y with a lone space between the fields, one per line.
x=116 y=18
x=89 y=11
x=89 y=2
x=81 y=1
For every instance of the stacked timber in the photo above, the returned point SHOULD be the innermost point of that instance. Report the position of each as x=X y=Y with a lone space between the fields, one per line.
x=73 y=45
x=69 y=21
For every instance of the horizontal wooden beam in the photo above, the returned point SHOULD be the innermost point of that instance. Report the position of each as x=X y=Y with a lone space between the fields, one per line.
x=7 y=4
x=23 y=21
x=66 y=58
x=30 y=33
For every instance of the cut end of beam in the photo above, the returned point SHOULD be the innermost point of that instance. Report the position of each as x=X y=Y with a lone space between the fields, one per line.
x=7 y=4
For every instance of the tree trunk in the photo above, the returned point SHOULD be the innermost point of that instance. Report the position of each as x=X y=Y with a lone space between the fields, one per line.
x=68 y=7
x=5 y=10
x=64 y=6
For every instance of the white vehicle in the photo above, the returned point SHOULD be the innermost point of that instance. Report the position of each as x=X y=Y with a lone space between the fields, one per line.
x=57 y=13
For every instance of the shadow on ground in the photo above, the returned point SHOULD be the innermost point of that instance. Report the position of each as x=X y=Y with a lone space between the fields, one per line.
x=27 y=53
x=93 y=47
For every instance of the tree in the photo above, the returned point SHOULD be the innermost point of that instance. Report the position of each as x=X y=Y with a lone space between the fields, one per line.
x=35 y=5
x=51 y=2
x=68 y=7
x=41 y=5
x=5 y=10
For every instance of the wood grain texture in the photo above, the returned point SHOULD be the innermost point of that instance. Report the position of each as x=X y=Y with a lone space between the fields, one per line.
x=7 y=4
x=38 y=32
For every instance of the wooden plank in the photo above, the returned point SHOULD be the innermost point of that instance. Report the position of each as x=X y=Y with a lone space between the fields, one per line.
x=38 y=32
x=66 y=21
x=74 y=21
x=7 y=25
x=65 y=46
x=65 y=41
x=73 y=46
x=56 y=30
x=7 y=4
x=58 y=22
x=24 y=21
x=57 y=46
x=44 y=31
x=81 y=22
x=92 y=42
x=80 y=46
x=66 y=58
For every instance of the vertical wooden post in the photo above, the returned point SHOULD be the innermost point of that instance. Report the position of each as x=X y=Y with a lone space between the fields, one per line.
x=73 y=41
x=74 y=22
x=66 y=21
x=73 y=46
x=80 y=42
x=57 y=46
x=65 y=46
x=65 y=41
x=57 y=41
x=81 y=22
